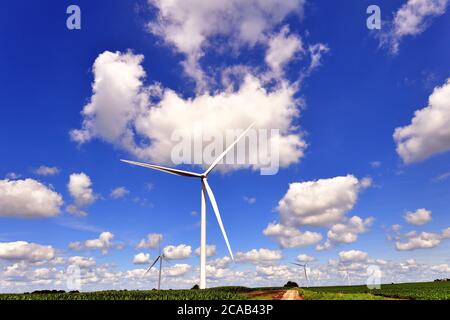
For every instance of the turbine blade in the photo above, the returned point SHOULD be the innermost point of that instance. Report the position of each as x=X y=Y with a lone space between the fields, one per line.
x=216 y=211
x=219 y=158
x=164 y=169
x=298 y=264
x=156 y=260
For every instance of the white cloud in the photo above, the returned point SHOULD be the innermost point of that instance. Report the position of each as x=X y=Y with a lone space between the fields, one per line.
x=258 y=256
x=136 y=116
x=82 y=262
x=428 y=134
x=353 y=256
x=320 y=203
x=28 y=199
x=177 y=270
x=411 y=19
x=281 y=49
x=119 y=192
x=418 y=217
x=77 y=246
x=25 y=251
x=304 y=258
x=346 y=232
x=181 y=251
x=441 y=268
x=220 y=263
x=191 y=26
x=422 y=240
x=102 y=243
x=46 y=171
x=80 y=188
x=278 y=272
x=210 y=250
x=316 y=51
x=290 y=237
x=141 y=258
x=152 y=241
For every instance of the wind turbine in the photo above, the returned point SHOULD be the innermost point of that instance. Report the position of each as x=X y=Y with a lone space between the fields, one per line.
x=304 y=269
x=205 y=189
x=161 y=257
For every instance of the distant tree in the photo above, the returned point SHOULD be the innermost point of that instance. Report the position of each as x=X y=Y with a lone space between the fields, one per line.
x=195 y=287
x=290 y=284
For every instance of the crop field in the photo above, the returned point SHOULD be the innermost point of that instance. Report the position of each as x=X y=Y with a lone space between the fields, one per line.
x=408 y=291
x=418 y=291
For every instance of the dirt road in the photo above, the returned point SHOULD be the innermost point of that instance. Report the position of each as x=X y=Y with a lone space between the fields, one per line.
x=291 y=295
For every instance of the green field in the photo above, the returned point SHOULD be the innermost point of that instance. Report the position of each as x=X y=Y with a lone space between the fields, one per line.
x=422 y=291
x=418 y=290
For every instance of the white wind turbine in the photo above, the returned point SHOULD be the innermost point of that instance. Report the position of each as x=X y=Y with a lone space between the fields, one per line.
x=205 y=188
x=161 y=257
x=304 y=269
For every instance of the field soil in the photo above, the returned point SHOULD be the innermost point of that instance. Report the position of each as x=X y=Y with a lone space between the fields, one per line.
x=266 y=294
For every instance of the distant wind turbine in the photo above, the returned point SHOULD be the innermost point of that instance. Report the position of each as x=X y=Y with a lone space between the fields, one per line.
x=205 y=188
x=304 y=269
x=161 y=257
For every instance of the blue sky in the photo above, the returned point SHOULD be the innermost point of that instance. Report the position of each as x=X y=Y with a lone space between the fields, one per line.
x=362 y=89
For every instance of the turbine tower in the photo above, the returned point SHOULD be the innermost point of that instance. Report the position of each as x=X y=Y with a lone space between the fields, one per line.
x=205 y=189
x=304 y=269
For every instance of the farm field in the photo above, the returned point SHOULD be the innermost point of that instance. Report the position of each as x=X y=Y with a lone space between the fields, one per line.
x=408 y=291
x=417 y=290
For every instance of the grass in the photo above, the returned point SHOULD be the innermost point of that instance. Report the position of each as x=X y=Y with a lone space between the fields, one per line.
x=415 y=291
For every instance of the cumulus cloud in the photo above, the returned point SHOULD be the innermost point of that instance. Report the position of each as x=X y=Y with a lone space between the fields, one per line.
x=25 y=251
x=290 y=237
x=441 y=268
x=353 y=256
x=28 y=199
x=80 y=188
x=320 y=203
x=418 y=217
x=220 y=263
x=177 y=270
x=346 y=232
x=258 y=256
x=119 y=192
x=191 y=27
x=304 y=258
x=428 y=133
x=152 y=241
x=141 y=258
x=281 y=48
x=422 y=240
x=210 y=250
x=143 y=122
x=46 y=171
x=181 y=251
x=103 y=242
x=82 y=262
x=411 y=19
